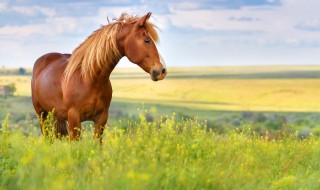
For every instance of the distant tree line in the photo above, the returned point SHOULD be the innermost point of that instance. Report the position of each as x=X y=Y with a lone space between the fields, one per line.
x=22 y=71
x=19 y=71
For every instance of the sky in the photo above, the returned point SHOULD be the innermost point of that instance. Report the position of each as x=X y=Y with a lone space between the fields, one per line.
x=192 y=32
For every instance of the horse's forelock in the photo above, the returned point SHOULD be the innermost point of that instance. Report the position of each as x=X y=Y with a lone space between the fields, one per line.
x=126 y=18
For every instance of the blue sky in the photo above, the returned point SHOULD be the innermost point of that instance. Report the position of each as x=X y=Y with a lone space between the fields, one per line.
x=192 y=32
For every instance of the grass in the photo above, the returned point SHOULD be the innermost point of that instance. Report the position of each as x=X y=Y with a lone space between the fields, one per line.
x=165 y=154
x=146 y=151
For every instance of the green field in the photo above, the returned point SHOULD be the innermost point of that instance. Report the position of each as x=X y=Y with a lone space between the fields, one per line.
x=165 y=154
x=200 y=128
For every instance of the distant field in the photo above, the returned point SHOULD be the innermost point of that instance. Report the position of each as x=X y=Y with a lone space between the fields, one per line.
x=218 y=94
x=215 y=88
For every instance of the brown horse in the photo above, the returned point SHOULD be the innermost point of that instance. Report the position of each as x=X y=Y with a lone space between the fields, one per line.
x=78 y=87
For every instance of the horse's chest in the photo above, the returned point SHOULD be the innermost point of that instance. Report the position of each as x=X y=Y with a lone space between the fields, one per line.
x=101 y=101
x=96 y=106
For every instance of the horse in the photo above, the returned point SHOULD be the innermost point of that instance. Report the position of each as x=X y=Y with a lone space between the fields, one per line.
x=77 y=86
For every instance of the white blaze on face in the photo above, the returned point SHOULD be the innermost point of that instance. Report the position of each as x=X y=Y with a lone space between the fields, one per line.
x=160 y=57
x=162 y=62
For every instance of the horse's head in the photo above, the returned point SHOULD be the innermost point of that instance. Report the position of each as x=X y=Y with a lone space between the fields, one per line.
x=137 y=40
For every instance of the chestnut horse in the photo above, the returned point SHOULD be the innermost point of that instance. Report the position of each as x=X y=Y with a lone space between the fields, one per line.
x=78 y=87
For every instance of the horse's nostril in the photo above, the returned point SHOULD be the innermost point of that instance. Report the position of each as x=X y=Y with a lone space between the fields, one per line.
x=164 y=70
x=155 y=73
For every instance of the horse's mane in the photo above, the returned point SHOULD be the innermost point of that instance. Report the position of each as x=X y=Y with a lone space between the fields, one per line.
x=100 y=49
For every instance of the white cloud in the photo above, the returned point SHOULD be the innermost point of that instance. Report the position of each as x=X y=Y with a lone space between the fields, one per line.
x=202 y=19
x=21 y=31
x=111 y=12
x=3 y=7
x=121 y=1
x=185 y=6
x=50 y=12
x=51 y=27
x=33 y=10
x=163 y=22
x=271 y=26
x=310 y=25
x=24 y=10
x=220 y=19
x=68 y=25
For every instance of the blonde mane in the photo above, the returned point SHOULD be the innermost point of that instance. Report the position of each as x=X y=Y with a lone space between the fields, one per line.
x=100 y=49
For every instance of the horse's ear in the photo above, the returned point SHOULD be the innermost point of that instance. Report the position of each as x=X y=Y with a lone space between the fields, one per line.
x=144 y=19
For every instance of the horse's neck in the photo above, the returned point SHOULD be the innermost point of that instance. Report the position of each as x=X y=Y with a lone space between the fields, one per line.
x=106 y=72
x=121 y=35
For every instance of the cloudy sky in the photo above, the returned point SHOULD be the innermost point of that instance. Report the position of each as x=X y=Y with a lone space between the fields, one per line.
x=192 y=32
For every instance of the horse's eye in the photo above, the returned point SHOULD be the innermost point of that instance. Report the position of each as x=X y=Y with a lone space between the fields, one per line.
x=147 y=41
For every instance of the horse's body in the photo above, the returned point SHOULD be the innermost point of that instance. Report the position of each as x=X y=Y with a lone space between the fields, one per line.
x=77 y=86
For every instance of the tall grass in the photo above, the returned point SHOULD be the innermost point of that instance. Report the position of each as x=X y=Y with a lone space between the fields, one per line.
x=166 y=154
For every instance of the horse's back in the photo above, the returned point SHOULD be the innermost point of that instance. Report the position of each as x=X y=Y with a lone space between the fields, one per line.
x=47 y=59
x=50 y=64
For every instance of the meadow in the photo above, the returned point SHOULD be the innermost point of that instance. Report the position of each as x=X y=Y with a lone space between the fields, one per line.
x=165 y=154
x=200 y=128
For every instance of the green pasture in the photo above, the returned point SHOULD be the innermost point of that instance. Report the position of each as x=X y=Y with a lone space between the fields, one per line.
x=164 y=154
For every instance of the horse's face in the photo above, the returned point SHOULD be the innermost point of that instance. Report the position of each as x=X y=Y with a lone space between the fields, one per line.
x=141 y=49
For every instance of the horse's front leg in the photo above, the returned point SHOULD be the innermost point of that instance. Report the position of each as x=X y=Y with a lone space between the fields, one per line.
x=99 y=125
x=74 y=125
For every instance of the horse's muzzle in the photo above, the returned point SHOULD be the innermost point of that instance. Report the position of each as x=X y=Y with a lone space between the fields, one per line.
x=158 y=75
